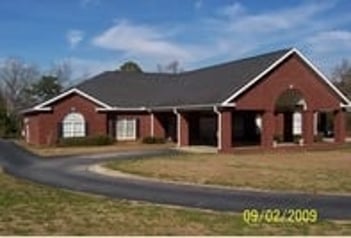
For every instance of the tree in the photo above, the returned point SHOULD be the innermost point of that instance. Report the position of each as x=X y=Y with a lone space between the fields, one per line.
x=47 y=87
x=131 y=66
x=342 y=76
x=15 y=78
x=3 y=116
x=9 y=123
x=62 y=71
x=173 y=67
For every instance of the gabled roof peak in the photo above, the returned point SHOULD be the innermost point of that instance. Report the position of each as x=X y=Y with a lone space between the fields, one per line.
x=218 y=84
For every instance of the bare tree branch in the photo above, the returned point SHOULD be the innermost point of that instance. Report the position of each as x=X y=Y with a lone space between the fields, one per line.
x=15 y=77
x=62 y=71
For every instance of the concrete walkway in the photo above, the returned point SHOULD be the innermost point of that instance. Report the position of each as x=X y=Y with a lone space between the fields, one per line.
x=72 y=173
x=198 y=149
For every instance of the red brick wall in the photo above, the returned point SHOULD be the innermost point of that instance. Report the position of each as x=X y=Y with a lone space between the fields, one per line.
x=292 y=74
x=44 y=125
x=32 y=122
x=279 y=122
x=226 y=131
x=184 y=129
x=159 y=131
x=295 y=73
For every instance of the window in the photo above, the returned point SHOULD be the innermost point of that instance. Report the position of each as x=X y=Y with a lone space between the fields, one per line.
x=126 y=129
x=297 y=123
x=73 y=125
x=258 y=123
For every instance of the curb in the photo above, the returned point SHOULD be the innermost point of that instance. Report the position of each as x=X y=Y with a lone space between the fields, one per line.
x=100 y=169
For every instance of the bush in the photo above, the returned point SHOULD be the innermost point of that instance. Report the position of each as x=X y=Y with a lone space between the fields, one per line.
x=86 y=141
x=154 y=140
x=9 y=125
x=297 y=138
x=278 y=138
x=318 y=137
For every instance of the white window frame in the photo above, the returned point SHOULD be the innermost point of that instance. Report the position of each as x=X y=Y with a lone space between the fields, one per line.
x=122 y=133
x=297 y=123
x=73 y=125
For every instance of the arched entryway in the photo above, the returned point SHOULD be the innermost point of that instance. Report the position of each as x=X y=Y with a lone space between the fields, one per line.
x=289 y=109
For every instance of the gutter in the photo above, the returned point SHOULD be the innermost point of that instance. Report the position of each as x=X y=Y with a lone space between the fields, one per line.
x=345 y=105
x=44 y=109
x=139 y=109
x=124 y=109
x=193 y=106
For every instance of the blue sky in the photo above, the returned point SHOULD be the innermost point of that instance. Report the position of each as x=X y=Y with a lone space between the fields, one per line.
x=97 y=35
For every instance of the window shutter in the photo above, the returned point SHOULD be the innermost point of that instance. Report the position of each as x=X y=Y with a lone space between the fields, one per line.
x=136 y=126
x=111 y=128
x=59 y=130
x=86 y=129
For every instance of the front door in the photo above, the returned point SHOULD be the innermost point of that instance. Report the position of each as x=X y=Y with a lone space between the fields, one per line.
x=288 y=127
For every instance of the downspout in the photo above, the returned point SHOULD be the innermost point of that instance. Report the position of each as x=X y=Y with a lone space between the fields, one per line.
x=219 y=127
x=152 y=122
x=175 y=111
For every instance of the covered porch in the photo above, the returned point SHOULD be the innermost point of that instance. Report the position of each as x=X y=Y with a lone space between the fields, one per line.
x=289 y=123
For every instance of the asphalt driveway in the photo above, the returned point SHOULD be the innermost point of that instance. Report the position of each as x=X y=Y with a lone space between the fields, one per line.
x=71 y=173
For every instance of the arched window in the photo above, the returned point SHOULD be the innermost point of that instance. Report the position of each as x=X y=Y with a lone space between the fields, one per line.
x=73 y=125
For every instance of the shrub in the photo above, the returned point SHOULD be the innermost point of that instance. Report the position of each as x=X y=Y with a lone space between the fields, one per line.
x=86 y=141
x=278 y=138
x=297 y=138
x=318 y=137
x=154 y=140
x=9 y=125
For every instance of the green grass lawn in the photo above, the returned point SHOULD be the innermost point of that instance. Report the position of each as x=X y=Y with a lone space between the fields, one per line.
x=30 y=209
x=312 y=172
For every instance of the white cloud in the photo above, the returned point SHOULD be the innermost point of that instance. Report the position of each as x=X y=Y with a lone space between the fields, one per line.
x=74 y=37
x=234 y=31
x=233 y=10
x=239 y=19
x=243 y=31
x=198 y=4
x=136 y=40
x=329 y=41
x=328 y=48
x=85 y=3
x=84 y=68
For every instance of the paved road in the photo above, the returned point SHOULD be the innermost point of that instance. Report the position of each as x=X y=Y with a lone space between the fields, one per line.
x=71 y=173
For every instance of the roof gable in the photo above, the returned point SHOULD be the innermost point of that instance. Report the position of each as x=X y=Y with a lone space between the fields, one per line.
x=211 y=85
x=45 y=104
x=278 y=62
x=214 y=85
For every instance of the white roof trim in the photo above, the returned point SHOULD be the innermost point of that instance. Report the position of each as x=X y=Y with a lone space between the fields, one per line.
x=44 y=109
x=73 y=90
x=345 y=105
x=320 y=74
x=150 y=109
x=121 y=109
x=275 y=64
x=192 y=106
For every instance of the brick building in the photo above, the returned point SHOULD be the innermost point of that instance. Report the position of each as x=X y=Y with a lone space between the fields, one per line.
x=251 y=101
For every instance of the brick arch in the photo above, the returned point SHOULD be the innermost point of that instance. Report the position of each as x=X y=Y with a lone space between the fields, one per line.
x=278 y=97
x=290 y=104
x=292 y=73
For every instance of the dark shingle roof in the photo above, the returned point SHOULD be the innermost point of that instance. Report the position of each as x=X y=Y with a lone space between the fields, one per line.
x=209 y=85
